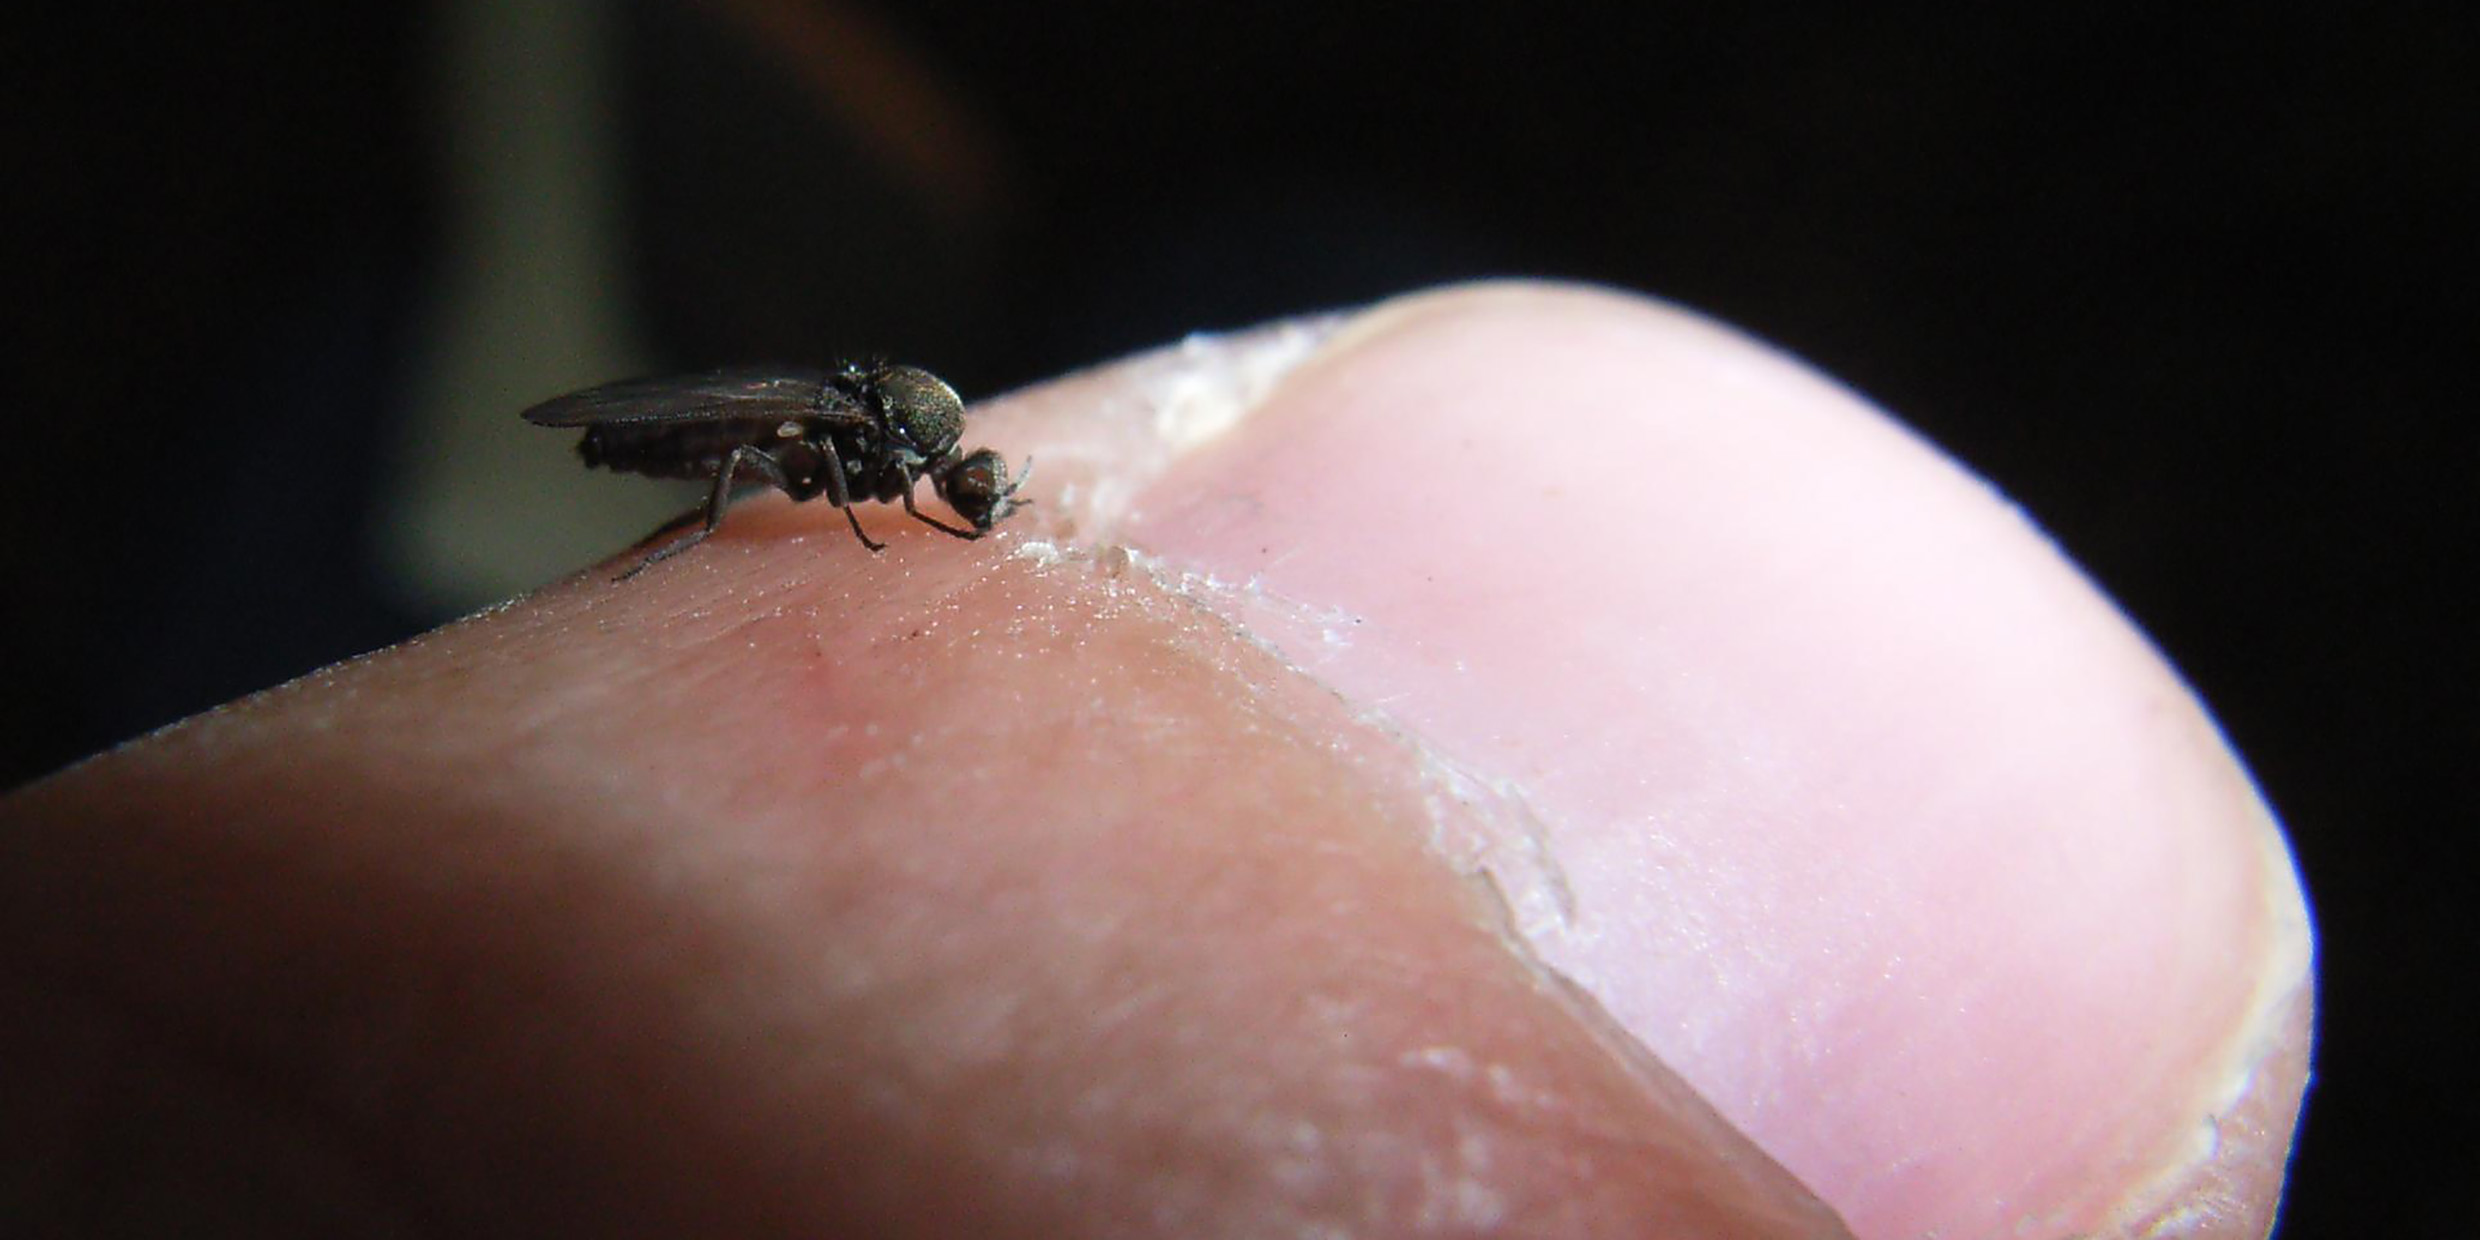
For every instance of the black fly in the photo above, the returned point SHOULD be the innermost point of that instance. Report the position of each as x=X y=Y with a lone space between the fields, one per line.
x=859 y=433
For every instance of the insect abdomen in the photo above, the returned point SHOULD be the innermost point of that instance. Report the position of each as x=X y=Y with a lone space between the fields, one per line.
x=673 y=450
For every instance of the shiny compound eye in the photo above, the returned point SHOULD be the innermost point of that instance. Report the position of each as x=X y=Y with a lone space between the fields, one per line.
x=977 y=487
x=921 y=409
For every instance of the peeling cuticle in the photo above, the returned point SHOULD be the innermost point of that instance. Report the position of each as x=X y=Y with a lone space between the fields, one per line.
x=1158 y=408
x=1215 y=380
x=1484 y=826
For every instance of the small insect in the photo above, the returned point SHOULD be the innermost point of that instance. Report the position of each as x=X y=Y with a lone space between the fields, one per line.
x=854 y=434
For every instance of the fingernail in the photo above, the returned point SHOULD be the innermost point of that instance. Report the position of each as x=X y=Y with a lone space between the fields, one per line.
x=1787 y=740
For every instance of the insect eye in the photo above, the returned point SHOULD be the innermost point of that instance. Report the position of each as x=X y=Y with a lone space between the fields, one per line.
x=977 y=487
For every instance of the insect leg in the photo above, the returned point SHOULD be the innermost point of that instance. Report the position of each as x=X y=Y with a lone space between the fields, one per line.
x=716 y=501
x=836 y=490
x=933 y=522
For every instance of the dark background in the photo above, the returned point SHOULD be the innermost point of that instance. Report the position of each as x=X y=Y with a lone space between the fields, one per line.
x=2195 y=288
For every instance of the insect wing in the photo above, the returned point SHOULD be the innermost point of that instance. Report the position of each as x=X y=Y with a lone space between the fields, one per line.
x=715 y=396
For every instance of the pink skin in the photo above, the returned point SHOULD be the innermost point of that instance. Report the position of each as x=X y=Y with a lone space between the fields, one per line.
x=1535 y=711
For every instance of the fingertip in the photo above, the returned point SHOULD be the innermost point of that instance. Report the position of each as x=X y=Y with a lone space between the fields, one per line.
x=1145 y=830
